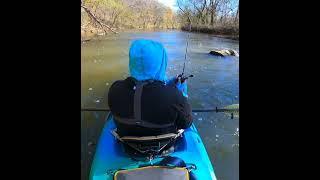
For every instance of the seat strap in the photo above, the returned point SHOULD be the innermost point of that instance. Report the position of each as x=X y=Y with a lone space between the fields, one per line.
x=137 y=100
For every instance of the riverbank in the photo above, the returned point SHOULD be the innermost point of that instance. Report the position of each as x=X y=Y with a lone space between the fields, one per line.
x=223 y=32
x=229 y=32
x=89 y=34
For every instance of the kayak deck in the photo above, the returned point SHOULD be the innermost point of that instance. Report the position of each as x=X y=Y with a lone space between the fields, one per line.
x=110 y=155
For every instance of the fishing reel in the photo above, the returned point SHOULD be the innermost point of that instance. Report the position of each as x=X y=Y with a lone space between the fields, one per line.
x=182 y=78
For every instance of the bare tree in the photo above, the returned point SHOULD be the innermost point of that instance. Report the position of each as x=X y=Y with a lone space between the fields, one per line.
x=112 y=14
x=237 y=14
x=213 y=10
x=95 y=19
x=200 y=6
x=184 y=7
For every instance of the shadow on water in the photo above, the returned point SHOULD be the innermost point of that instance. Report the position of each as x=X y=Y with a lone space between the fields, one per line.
x=91 y=126
x=215 y=83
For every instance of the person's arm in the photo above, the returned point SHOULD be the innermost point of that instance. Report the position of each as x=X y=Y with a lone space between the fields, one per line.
x=113 y=97
x=110 y=96
x=184 y=113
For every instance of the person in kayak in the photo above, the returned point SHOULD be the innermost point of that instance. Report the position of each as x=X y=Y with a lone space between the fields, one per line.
x=147 y=103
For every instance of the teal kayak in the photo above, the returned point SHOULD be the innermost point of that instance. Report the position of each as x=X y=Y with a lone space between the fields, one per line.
x=111 y=157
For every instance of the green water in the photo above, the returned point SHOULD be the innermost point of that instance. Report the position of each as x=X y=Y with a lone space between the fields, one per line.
x=215 y=83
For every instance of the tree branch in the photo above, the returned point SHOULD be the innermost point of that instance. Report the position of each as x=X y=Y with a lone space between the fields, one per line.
x=98 y=21
x=187 y=13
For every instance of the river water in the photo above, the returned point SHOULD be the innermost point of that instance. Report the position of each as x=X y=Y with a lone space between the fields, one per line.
x=215 y=84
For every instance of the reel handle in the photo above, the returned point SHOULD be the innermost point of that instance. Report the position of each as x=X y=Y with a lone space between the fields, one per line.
x=182 y=78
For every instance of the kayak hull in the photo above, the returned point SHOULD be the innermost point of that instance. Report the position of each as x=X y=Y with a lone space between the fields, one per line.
x=110 y=155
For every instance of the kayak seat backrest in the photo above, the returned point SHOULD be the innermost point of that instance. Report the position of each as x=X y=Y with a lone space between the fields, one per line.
x=148 y=144
x=148 y=138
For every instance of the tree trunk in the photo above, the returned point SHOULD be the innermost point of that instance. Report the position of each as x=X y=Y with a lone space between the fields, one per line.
x=115 y=19
x=212 y=12
x=237 y=14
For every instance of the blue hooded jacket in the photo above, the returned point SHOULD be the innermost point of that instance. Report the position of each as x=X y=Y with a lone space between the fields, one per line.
x=148 y=60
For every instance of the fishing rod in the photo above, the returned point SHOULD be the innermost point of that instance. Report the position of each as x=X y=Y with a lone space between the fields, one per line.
x=181 y=76
x=228 y=109
x=193 y=110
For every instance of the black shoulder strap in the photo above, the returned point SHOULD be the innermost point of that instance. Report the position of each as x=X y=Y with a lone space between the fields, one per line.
x=137 y=100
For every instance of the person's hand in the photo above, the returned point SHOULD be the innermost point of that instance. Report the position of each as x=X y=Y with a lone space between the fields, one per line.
x=176 y=81
x=182 y=87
